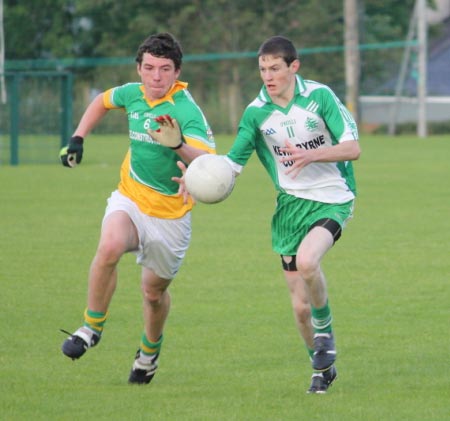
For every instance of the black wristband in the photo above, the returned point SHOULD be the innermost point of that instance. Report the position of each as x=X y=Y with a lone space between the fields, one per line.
x=174 y=148
x=77 y=139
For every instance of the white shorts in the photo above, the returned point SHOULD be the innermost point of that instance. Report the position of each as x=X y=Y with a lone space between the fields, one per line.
x=162 y=242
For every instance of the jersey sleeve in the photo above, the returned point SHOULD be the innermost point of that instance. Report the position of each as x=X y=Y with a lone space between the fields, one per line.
x=338 y=119
x=115 y=98
x=197 y=132
x=194 y=126
x=245 y=141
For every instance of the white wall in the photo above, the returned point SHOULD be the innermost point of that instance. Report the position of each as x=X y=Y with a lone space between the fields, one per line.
x=379 y=109
x=442 y=12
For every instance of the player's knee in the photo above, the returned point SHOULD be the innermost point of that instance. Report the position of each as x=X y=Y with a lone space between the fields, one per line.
x=107 y=255
x=152 y=297
x=307 y=266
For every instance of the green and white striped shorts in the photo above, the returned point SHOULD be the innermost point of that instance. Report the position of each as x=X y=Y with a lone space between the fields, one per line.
x=294 y=216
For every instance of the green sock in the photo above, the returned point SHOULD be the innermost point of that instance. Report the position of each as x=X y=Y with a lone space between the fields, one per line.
x=321 y=319
x=95 y=320
x=150 y=348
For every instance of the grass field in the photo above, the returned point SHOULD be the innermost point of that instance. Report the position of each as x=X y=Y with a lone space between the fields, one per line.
x=231 y=349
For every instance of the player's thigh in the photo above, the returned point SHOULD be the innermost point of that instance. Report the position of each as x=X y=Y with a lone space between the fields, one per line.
x=314 y=246
x=120 y=223
x=118 y=232
x=164 y=244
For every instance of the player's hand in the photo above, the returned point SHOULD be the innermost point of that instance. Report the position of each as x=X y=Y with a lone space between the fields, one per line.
x=72 y=154
x=180 y=180
x=296 y=157
x=169 y=133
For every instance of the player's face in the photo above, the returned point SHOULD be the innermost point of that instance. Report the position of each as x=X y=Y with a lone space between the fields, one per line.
x=278 y=77
x=158 y=74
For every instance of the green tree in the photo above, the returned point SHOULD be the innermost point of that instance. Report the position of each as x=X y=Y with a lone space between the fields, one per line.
x=109 y=28
x=37 y=29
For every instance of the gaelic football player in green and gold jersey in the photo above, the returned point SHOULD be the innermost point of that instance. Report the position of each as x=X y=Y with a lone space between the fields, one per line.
x=146 y=215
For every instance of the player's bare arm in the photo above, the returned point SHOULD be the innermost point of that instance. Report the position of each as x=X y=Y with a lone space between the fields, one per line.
x=344 y=151
x=93 y=114
x=72 y=154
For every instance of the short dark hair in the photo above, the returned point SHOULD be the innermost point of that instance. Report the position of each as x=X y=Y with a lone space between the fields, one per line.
x=279 y=46
x=161 y=45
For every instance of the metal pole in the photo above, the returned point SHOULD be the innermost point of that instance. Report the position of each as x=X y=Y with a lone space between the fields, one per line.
x=422 y=67
x=2 y=57
x=66 y=107
x=352 y=57
x=403 y=70
x=15 y=118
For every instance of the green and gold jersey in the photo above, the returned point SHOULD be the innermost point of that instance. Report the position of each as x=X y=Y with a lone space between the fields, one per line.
x=148 y=167
x=315 y=118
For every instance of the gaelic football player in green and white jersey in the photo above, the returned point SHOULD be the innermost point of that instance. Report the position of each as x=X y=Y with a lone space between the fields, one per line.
x=305 y=139
x=146 y=215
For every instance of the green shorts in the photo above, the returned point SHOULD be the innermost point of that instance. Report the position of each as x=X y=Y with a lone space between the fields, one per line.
x=294 y=216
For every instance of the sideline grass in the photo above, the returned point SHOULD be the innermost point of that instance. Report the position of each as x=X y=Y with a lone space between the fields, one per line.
x=231 y=350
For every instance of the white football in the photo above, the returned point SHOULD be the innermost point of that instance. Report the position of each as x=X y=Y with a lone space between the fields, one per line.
x=209 y=178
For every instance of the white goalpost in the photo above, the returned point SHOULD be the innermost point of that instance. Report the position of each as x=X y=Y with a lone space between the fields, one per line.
x=422 y=67
x=399 y=108
x=2 y=57
x=417 y=27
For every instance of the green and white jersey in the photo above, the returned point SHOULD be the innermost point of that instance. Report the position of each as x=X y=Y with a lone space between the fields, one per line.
x=315 y=118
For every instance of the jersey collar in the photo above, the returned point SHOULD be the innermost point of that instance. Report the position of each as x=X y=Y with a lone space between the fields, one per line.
x=177 y=86
x=300 y=87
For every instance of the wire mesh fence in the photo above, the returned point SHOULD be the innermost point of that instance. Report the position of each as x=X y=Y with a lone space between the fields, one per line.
x=44 y=106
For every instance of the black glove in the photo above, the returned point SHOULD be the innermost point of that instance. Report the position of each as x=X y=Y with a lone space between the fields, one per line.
x=72 y=154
